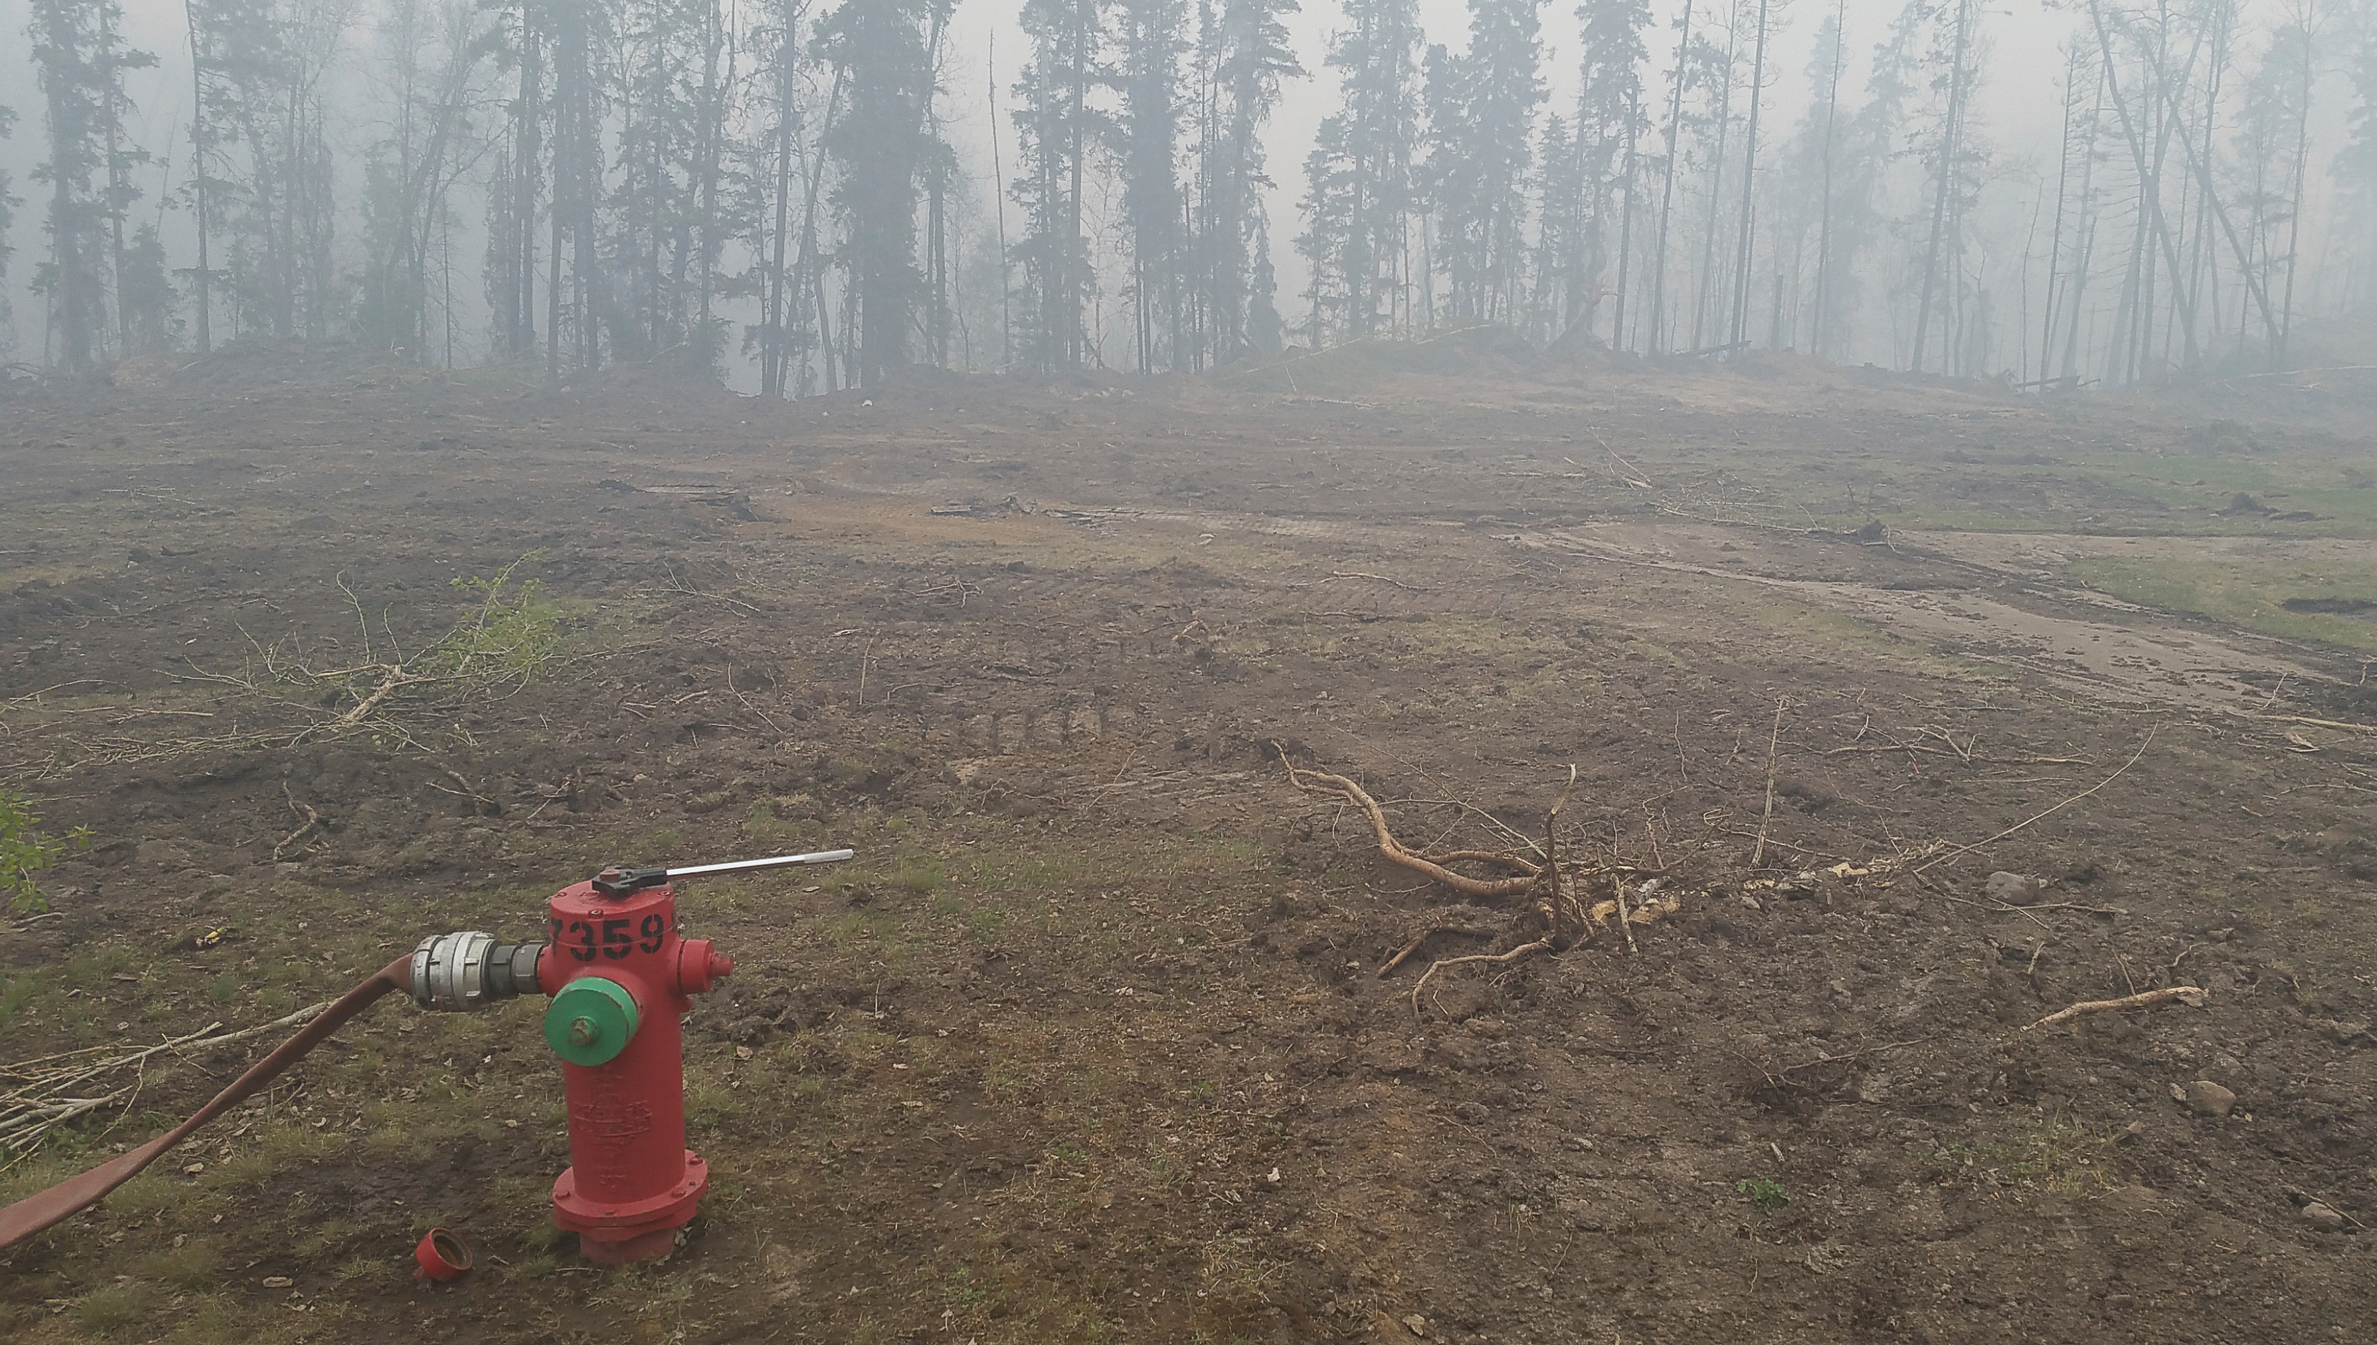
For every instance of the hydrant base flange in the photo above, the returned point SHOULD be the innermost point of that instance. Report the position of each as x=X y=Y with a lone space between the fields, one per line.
x=614 y=1233
x=642 y=1247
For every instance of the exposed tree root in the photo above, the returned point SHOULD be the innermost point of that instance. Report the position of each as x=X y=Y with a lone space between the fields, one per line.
x=1560 y=911
x=1431 y=864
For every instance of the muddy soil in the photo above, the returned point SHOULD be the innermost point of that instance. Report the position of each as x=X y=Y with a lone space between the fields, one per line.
x=1093 y=1040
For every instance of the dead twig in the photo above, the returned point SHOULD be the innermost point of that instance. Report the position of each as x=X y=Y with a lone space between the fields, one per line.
x=1773 y=740
x=2318 y=723
x=1624 y=923
x=2190 y=995
x=1524 y=950
x=682 y=587
x=1381 y=578
x=1404 y=954
x=2065 y=906
x=1968 y=849
x=746 y=700
x=1852 y=1055
x=312 y=819
x=1554 y=920
x=1635 y=474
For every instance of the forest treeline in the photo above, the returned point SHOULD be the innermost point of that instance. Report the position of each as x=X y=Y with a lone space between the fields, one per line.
x=568 y=184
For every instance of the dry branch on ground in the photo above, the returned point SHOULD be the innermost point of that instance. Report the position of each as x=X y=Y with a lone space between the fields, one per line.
x=2191 y=995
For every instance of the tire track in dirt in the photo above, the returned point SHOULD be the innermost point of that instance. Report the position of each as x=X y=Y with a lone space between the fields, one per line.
x=2133 y=658
x=2142 y=662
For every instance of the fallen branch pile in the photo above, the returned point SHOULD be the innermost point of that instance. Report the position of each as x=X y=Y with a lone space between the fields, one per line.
x=509 y=636
x=1558 y=909
x=50 y=1090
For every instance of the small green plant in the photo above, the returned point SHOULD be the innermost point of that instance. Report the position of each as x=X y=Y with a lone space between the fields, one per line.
x=517 y=628
x=25 y=850
x=1767 y=1194
x=116 y=1311
x=2063 y=1155
x=920 y=875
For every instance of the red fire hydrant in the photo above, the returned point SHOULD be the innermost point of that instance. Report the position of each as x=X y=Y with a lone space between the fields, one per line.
x=619 y=973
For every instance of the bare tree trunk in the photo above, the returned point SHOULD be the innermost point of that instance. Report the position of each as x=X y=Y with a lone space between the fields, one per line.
x=2308 y=12
x=1749 y=181
x=998 y=188
x=2087 y=242
x=1832 y=106
x=713 y=135
x=1617 y=323
x=199 y=182
x=112 y=102
x=1704 y=293
x=773 y=309
x=810 y=272
x=1947 y=180
x=2063 y=172
x=2151 y=224
x=1675 y=119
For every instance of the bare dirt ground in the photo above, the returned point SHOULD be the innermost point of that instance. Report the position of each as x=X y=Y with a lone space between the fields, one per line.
x=1093 y=1043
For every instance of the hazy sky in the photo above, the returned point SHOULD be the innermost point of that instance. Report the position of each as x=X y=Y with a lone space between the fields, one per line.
x=2018 y=100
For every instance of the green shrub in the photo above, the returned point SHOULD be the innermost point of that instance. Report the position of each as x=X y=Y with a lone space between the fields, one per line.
x=25 y=851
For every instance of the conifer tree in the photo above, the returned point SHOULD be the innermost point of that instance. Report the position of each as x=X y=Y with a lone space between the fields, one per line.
x=1359 y=201
x=1948 y=156
x=1244 y=46
x=78 y=48
x=432 y=57
x=517 y=182
x=268 y=113
x=1153 y=34
x=1716 y=76
x=1679 y=83
x=886 y=49
x=1563 y=236
x=1865 y=145
x=1608 y=112
x=783 y=162
x=1057 y=131
x=1328 y=225
x=145 y=295
x=575 y=30
x=1812 y=168
x=1481 y=113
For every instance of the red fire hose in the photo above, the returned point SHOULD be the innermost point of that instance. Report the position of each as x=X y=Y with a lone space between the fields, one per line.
x=76 y=1194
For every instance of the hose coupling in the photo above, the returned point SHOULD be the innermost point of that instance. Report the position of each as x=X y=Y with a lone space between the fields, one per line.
x=470 y=970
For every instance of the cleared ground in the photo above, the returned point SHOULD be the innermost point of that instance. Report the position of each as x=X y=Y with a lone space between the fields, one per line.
x=1091 y=1043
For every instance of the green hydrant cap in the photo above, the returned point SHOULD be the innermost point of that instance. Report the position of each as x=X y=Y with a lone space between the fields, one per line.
x=590 y=1021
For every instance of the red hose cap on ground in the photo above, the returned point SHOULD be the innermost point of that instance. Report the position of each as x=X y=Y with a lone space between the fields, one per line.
x=441 y=1256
